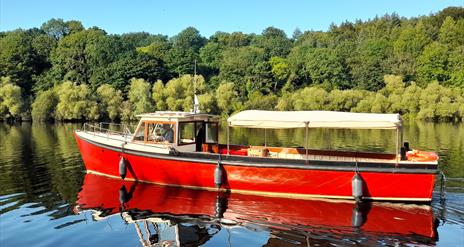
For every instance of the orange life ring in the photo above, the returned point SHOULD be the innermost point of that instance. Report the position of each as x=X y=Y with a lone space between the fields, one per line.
x=421 y=156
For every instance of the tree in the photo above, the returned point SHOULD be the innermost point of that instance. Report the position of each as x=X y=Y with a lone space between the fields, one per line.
x=180 y=91
x=226 y=97
x=433 y=64
x=211 y=55
x=452 y=33
x=368 y=64
x=139 y=96
x=131 y=65
x=310 y=98
x=11 y=102
x=280 y=70
x=43 y=108
x=159 y=95
x=185 y=50
x=57 y=28
x=75 y=102
x=18 y=60
x=409 y=99
x=407 y=48
x=159 y=48
x=456 y=67
x=238 y=65
x=258 y=101
x=207 y=103
x=73 y=56
x=324 y=66
x=110 y=101
x=274 y=41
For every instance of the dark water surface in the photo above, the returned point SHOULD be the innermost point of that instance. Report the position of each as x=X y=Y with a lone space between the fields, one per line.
x=46 y=199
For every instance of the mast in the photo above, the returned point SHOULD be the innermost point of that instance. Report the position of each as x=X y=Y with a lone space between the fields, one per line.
x=196 y=103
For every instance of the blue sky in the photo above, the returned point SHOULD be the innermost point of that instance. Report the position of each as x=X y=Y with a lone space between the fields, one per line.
x=208 y=16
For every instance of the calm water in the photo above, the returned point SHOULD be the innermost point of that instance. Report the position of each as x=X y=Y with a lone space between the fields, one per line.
x=47 y=200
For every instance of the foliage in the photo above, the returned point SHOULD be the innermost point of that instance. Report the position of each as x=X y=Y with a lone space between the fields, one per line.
x=75 y=102
x=11 y=102
x=110 y=101
x=63 y=71
x=139 y=96
x=43 y=108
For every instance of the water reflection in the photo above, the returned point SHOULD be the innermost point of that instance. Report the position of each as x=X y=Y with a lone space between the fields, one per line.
x=42 y=175
x=194 y=217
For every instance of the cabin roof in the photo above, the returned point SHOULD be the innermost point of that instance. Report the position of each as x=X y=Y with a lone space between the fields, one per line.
x=177 y=116
x=314 y=119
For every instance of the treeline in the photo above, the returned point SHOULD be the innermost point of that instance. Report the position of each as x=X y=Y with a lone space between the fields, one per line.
x=63 y=71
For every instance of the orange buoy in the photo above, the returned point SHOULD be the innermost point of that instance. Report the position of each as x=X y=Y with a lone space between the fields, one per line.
x=421 y=156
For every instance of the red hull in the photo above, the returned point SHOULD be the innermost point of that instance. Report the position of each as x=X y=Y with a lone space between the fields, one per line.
x=271 y=181
x=379 y=218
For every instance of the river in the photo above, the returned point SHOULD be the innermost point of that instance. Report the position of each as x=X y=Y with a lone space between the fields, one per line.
x=46 y=198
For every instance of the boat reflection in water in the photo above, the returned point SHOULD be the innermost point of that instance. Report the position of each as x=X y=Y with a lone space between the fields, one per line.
x=194 y=217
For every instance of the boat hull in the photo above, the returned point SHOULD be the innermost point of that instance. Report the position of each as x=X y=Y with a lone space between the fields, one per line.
x=240 y=177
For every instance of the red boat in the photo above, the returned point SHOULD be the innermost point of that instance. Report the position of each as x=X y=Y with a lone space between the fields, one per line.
x=182 y=149
x=331 y=219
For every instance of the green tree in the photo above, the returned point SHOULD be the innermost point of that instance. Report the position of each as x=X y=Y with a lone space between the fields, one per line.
x=407 y=48
x=11 y=102
x=139 y=96
x=110 y=101
x=185 y=50
x=280 y=70
x=274 y=41
x=207 y=103
x=258 y=101
x=57 y=28
x=159 y=48
x=324 y=66
x=452 y=33
x=75 y=102
x=180 y=91
x=226 y=97
x=18 y=59
x=310 y=98
x=238 y=65
x=456 y=67
x=368 y=64
x=409 y=99
x=43 y=108
x=433 y=64
x=159 y=95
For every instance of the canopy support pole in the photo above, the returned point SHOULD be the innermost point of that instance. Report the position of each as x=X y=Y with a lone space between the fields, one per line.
x=228 y=127
x=306 y=139
x=397 y=144
x=265 y=137
x=401 y=137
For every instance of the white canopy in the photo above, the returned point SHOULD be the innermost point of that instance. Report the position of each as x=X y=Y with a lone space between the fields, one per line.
x=314 y=119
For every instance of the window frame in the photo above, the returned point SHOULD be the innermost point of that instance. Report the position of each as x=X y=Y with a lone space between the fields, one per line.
x=217 y=131
x=145 y=123
x=194 y=132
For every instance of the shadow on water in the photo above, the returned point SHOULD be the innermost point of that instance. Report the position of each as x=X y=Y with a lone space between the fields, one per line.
x=46 y=199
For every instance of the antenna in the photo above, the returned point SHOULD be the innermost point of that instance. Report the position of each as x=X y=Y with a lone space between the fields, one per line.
x=196 y=103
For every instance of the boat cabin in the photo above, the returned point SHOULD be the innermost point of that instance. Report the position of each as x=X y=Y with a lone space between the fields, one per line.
x=185 y=131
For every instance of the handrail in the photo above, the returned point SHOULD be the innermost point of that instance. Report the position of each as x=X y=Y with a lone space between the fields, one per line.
x=97 y=129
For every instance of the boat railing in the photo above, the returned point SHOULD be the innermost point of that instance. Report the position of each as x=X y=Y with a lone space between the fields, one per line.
x=100 y=130
x=103 y=128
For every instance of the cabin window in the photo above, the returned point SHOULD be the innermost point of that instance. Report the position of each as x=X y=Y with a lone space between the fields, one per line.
x=211 y=133
x=140 y=134
x=186 y=133
x=160 y=132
